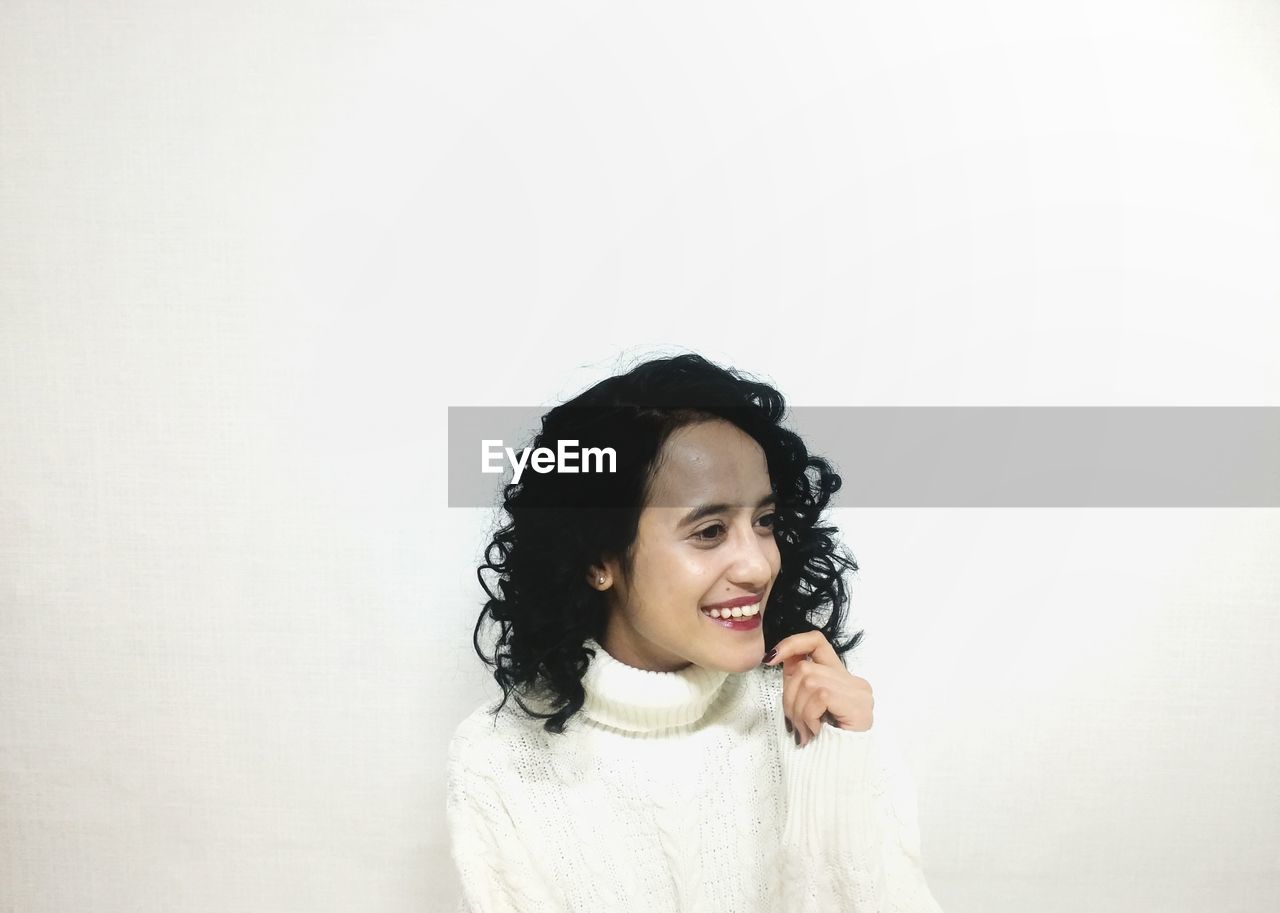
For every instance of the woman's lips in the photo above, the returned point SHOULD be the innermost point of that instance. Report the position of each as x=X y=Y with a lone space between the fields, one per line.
x=736 y=601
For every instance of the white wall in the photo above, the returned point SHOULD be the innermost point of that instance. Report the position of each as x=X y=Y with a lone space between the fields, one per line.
x=250 y=252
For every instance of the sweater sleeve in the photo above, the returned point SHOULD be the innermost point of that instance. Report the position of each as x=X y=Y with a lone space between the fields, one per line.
x=497 y=874
x=850 y=840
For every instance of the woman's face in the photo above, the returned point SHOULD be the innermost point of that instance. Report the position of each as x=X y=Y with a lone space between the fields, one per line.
x=705 y=537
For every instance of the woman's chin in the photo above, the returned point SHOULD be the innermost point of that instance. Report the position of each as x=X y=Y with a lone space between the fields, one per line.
x=735 y=651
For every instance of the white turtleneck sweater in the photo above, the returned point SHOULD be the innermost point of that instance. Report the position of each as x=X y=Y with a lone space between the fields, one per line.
x=680 y=792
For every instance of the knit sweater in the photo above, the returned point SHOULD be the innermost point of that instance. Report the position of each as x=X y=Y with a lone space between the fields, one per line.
x=680 y=792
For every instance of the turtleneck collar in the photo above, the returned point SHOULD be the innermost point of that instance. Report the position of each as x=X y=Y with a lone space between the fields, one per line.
x=639 y=700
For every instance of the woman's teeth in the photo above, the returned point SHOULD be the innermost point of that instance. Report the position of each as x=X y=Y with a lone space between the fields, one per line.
x=743 y=611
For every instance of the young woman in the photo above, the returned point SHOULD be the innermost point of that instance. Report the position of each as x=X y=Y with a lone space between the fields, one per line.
x=689 y=737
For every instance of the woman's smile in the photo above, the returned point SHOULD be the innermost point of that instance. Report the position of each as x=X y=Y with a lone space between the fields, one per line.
x=736 y=617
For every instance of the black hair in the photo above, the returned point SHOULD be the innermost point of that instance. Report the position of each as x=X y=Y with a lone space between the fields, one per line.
x=563 y=523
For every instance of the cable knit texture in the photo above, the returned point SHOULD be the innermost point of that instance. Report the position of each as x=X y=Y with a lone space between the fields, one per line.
x=680 y=792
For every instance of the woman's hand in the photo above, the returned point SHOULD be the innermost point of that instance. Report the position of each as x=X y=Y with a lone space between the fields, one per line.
x=817 y=686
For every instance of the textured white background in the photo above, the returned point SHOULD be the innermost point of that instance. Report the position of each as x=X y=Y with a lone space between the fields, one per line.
x=249 y=252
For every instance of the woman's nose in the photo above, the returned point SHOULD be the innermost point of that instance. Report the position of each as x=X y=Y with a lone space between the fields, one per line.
x=752 y=566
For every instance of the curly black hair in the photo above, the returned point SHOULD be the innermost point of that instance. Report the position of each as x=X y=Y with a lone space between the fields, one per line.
x=561 y=523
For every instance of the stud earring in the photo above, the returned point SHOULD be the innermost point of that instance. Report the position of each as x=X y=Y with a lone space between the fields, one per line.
x=601 y=580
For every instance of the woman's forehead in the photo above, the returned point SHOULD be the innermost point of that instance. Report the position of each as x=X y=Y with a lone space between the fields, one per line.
x=711 y=466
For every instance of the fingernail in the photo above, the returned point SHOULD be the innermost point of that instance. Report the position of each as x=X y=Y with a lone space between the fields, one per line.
x=788 y=721
x=768 y=657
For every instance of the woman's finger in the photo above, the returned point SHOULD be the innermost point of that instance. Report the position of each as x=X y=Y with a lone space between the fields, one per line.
x=788 y=700
x=793 y=693
x=813 y=643
x=810 y=709
x=794 y=653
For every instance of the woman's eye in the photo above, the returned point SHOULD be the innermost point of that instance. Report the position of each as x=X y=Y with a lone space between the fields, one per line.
x=715 y=529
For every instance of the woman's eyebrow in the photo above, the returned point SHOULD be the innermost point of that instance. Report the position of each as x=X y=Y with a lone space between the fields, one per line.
x=704 y=510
